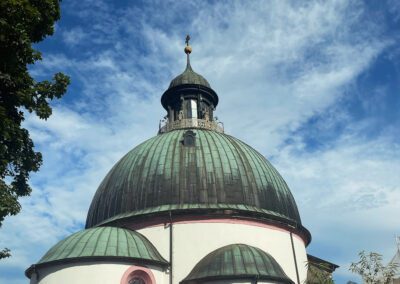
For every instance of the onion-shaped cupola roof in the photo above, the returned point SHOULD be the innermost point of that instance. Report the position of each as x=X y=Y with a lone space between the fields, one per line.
x=102 y=243
x=188 y=83
x=189 y=76
x=237 y=262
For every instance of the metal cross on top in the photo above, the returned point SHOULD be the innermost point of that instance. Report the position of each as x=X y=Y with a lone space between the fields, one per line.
x=187 y=39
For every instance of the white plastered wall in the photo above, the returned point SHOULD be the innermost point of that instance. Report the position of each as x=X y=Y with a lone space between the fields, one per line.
x=194 y=240
x=191 y=242
x=99 y=272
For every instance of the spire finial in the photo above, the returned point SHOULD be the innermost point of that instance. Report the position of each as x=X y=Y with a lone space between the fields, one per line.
x=188 y=50
x=187 y=39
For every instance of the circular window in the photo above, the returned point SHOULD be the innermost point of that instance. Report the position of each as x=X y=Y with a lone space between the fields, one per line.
x=138 y=275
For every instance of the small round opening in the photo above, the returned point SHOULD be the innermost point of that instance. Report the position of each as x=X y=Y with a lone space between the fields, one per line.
x=138 y=275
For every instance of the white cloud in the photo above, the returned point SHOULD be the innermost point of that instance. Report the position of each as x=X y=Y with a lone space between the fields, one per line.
x=74 y=36
x=394 y=9
x=348 y=195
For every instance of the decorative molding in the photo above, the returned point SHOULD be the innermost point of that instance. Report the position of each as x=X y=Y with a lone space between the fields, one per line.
x=166 y=126
x=138 y=271
x=190 y=220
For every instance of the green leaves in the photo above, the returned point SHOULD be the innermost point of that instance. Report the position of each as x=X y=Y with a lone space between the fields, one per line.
x=5 y=253
x=22 y=22
x=318 y=274
x=44 y=91
x=371 y=269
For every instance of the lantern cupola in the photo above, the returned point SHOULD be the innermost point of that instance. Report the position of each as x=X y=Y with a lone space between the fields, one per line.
x=190 y=101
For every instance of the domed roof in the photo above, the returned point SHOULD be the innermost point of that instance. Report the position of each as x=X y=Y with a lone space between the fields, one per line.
x=189 y=77
x=102 y=243
x=216 y=171
x=237 y=262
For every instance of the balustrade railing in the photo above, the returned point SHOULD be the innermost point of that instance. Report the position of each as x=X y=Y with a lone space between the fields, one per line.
x=191 y=123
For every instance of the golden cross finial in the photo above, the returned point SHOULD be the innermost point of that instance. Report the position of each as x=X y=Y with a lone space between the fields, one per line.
x=187 y=39
x=188 y=48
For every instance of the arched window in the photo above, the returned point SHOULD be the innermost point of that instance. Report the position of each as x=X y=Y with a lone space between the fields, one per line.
x=138 y=275
x=191 y=108
x=189 y=139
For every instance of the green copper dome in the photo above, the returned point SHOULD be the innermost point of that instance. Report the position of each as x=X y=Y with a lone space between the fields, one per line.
x=237 y=262
x=103 y=243
x=204 y=170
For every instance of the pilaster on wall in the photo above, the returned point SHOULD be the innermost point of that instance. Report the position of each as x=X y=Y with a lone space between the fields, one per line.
x=192 y=240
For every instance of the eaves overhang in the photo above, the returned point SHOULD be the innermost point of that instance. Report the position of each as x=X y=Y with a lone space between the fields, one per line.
x=163 y=214
x=112 y=259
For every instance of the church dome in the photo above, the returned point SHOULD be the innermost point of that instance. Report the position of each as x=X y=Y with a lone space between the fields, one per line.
x=209 y=171
x=189 y=190
x=237 y=262
x=102 y=243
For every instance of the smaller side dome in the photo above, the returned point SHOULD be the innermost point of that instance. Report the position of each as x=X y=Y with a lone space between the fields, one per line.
x=237 y=262
x=102 y=243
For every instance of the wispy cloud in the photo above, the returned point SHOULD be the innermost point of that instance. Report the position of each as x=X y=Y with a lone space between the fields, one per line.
x=75 y=36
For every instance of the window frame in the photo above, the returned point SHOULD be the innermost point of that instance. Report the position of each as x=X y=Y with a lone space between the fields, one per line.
x=139 y=272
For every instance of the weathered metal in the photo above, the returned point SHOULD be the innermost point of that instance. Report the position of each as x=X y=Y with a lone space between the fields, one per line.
x=102 y=243
x=189 y=77
x=237 y=262
x=220 y=170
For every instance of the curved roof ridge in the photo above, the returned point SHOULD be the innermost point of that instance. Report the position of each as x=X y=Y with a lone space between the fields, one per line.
x=73 y=248
x=189 y=76
x=237 y=261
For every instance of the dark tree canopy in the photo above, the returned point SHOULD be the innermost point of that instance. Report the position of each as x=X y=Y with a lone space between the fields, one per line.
x=22 y=23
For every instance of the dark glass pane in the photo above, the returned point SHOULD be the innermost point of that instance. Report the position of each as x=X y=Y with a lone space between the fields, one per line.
x=189 y=109
x=136 y=280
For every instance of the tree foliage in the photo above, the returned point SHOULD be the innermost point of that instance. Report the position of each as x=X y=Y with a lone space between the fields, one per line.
x=318 y=274
x=371 y=269
x=4 y=253
x=22 y=23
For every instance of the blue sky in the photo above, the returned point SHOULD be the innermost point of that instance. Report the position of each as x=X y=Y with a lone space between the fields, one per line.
x=313 y=86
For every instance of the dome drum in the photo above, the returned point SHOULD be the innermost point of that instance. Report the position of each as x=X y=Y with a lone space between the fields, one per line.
x=173 y=96
x=180 y=213
x=189 y=101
